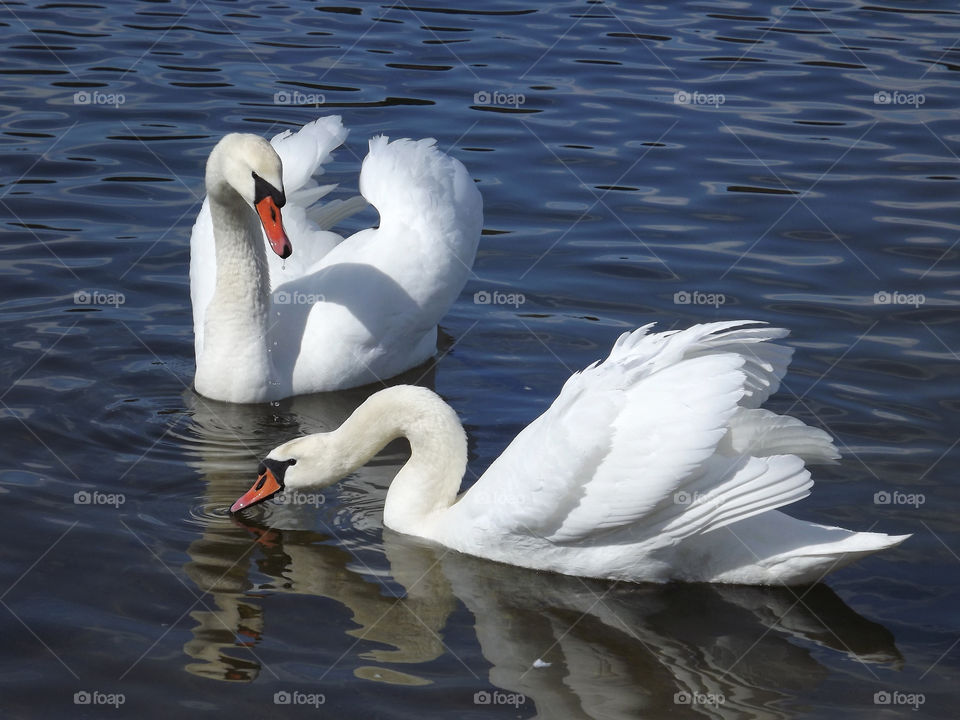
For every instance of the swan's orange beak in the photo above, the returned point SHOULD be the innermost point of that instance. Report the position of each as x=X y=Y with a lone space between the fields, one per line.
x=265 y=486
x=272 y=222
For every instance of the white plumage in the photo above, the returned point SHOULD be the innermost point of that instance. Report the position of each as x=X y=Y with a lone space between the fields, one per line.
x=653 y=465
x=336 y=313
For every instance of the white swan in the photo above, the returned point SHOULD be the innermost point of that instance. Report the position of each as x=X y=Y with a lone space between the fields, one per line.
x=335 y=314
x=654 y=465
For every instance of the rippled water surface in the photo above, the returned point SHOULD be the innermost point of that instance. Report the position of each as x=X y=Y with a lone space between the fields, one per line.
x=679 y=163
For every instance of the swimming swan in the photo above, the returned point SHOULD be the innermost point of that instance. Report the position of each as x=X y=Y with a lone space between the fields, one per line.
x=656 y=464
x=319 y=313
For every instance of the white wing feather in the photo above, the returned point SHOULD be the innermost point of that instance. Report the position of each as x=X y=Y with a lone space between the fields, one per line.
x=628 y=439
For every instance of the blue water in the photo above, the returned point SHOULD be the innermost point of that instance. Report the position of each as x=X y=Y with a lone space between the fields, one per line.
x=806 y=172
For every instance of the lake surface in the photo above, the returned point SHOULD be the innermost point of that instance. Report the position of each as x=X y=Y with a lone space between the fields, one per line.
x=795 y=164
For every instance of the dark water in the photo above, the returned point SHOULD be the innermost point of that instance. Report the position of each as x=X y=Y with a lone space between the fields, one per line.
x=783 y=187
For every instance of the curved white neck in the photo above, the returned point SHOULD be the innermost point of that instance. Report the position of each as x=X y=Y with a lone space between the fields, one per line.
x=235 y=353
x=429 y=481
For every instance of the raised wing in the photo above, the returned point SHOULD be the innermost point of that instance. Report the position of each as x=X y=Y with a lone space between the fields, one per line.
x=628 y=439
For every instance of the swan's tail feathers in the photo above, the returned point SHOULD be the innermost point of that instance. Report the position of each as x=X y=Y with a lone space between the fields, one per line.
x=729 y=490
x=336 y=211
x=762 y=433
x=305 y=151
x=809 y=562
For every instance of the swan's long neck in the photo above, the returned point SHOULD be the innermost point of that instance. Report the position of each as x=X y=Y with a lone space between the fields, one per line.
x=428 y=483
x=235 y=353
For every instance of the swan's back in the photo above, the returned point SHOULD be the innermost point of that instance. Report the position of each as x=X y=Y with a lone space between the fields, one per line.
x=385 y=289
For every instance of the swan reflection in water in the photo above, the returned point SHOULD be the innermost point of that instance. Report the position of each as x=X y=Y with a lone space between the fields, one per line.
x=571 y=647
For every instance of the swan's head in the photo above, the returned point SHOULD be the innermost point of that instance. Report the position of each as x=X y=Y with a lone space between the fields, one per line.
x=306 y=462
x=250 y=165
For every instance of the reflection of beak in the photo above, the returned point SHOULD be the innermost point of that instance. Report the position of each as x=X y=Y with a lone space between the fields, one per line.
x=265 y=486
x=272 y=222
